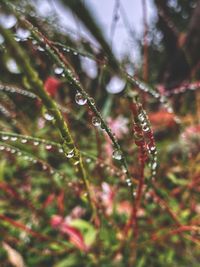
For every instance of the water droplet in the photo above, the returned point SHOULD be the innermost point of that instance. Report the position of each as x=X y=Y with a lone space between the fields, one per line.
x=35 y=143
x=60 y=150
x=101 y=165
x=80 y=99
x=23 y=34
x=58 y=70
x=76 y=162
x=4 y=137
x=91 y=99
x=115 y=85
x=70 y=154
x=117 y=154
x=134 y=193
x=141 y=117
x=48 y=147
x=13 y=138
x=48 y=116
x=96 y=121
x=44 y=167
x=40 y=48
x=24 y=141
x=154 y=165
x=2 y=148
x=12 y=66
x=7 y=21
x=88 y=160
x=124 y=170
x=154 y=173
x=145 y=128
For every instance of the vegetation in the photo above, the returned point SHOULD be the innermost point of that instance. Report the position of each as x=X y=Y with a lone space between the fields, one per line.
x=99 y=158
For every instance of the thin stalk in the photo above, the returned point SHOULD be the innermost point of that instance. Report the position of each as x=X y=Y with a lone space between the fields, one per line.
x=37 y=87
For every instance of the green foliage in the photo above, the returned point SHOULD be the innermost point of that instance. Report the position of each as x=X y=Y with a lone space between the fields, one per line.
x=90 y=178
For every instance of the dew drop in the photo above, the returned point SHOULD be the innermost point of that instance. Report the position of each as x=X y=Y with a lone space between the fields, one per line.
x=35 y=143
x=117 y=154
x=44 y=167
x=4 y=137
x=96 y=121
x=7 y=21
x=70 y=154
x=145 y=128
x=141 y=117
x=80 y=99
x=48 y=116
x=22 y=34
x=60 y=150
x=88 y=160
x=12 y=66
x=40 y=48
x=154 y=165
x=24 y=141
x=134 y=193
x=13 y=138
x=58 y=70
x=91 y=99
x=2 y=148
x=124 y=170
x=48 y=147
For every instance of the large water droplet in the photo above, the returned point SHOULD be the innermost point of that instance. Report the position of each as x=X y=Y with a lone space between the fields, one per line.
x=70 y=154
x=141 y=117
x=13 y=138
x=12 y=66
x=40 y=48
x=35 y=143
x=96 y=121
x=116 y=85
x=60 y=150
x=48 y=147
x=91 y=100
x=117 y=154
x=22 y=34
x=7 y=21
x=4 y=137
x=145 y=128
x=154 y=165
x=58 y=70
x=48 y=116
x=80 y=99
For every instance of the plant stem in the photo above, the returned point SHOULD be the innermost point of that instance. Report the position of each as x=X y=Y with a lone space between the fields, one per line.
x=37 y=87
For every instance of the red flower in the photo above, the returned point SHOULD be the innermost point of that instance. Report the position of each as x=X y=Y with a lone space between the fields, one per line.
x=162 y=119
x=51 y=85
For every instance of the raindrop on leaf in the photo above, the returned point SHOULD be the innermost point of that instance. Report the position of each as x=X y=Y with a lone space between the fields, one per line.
x=80 y=99
x=96 y=121
x=117 y=154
